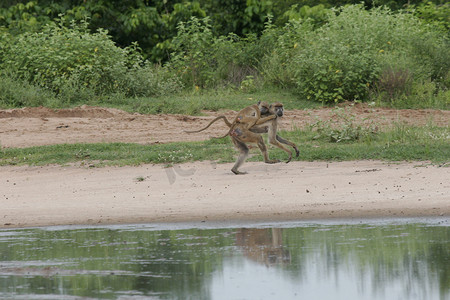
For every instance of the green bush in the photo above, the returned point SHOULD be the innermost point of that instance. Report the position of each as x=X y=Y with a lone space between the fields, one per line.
x=350 y=55
x=206 y=61
x=50 y=57
x=149 y=80
x=343 y=128
x=317 y=14
x=193 y=51
x=419 y=95
x=437 y=15
x=76 y=65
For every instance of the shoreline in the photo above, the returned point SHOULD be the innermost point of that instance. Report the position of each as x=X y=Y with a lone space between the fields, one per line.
x=209 y=192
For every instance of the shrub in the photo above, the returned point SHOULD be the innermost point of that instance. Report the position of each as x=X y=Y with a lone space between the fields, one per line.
x=77 y=65
x=342 y=127
x=392 y=84
x=193 y=51
x=149 y=80
x=282 y=46
x=419 y=95
x=437 y=15
x=206 y=61
x=353 y=53
x=50 y=57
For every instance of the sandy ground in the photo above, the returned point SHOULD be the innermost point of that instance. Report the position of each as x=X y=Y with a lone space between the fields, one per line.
x=208 y=192
x=205 y=191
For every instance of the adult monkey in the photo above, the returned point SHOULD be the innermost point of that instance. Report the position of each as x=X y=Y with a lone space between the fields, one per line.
x=240 y=137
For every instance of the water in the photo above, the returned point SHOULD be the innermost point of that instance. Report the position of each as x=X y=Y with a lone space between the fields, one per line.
x=396 y=259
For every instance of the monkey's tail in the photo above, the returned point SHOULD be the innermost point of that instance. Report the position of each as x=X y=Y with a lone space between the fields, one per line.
x=210 y=123
x=221 y=137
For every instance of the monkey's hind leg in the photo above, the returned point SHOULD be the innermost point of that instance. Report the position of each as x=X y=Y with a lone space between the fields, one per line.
x=243 y=153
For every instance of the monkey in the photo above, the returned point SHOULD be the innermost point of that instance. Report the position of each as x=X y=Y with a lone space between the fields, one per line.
x=240 y=137
x=249 y=116
x=277 y=109
x=242 y=123
x=240 y=133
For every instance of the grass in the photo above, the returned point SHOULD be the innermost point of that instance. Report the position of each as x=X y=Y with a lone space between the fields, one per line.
x=399 y=143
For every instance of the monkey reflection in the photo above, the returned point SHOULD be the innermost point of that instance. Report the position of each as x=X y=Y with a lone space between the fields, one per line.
x=264 y=246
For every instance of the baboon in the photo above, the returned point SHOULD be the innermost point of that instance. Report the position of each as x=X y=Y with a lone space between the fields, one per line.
x=240 y=137
x=241 y=133
x=248 y=117
x=242 y=122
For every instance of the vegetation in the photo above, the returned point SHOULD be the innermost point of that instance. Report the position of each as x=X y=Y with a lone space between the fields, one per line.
x=182 y=57
x=101 y=52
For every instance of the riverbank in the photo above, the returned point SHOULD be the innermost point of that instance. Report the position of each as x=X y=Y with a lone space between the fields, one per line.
x=205 y=191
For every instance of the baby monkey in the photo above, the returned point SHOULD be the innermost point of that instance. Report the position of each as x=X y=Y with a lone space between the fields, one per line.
x=245 y=119
x=249 y=117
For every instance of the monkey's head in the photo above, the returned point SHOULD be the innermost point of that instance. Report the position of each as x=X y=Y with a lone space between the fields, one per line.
x=263 y=107
x=276 y=109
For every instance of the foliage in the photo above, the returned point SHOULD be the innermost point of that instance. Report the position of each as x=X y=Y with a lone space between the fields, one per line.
x=153 y=24
x=132 y=21
x=104 y=51
x=318 y=14
x=349 y=55
x=77 y=65
x=419 y=95
x=432 y=13
x=203 y=60
x=393 y=83
x=58 y=53
x=16 y=92
x=236 y=16
x=341 y=127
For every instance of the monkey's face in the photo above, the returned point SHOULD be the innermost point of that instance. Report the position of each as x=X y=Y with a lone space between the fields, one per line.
x=263 y=108
x=277 y=109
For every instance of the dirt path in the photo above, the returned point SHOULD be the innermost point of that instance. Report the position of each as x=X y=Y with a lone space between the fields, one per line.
x=204 y=191
x=42 y=126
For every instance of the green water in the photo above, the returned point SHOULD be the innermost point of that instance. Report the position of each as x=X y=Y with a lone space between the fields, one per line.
x=394 y=259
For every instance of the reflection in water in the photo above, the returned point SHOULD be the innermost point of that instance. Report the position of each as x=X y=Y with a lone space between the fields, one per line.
x=263 y=245
x=300 y=261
